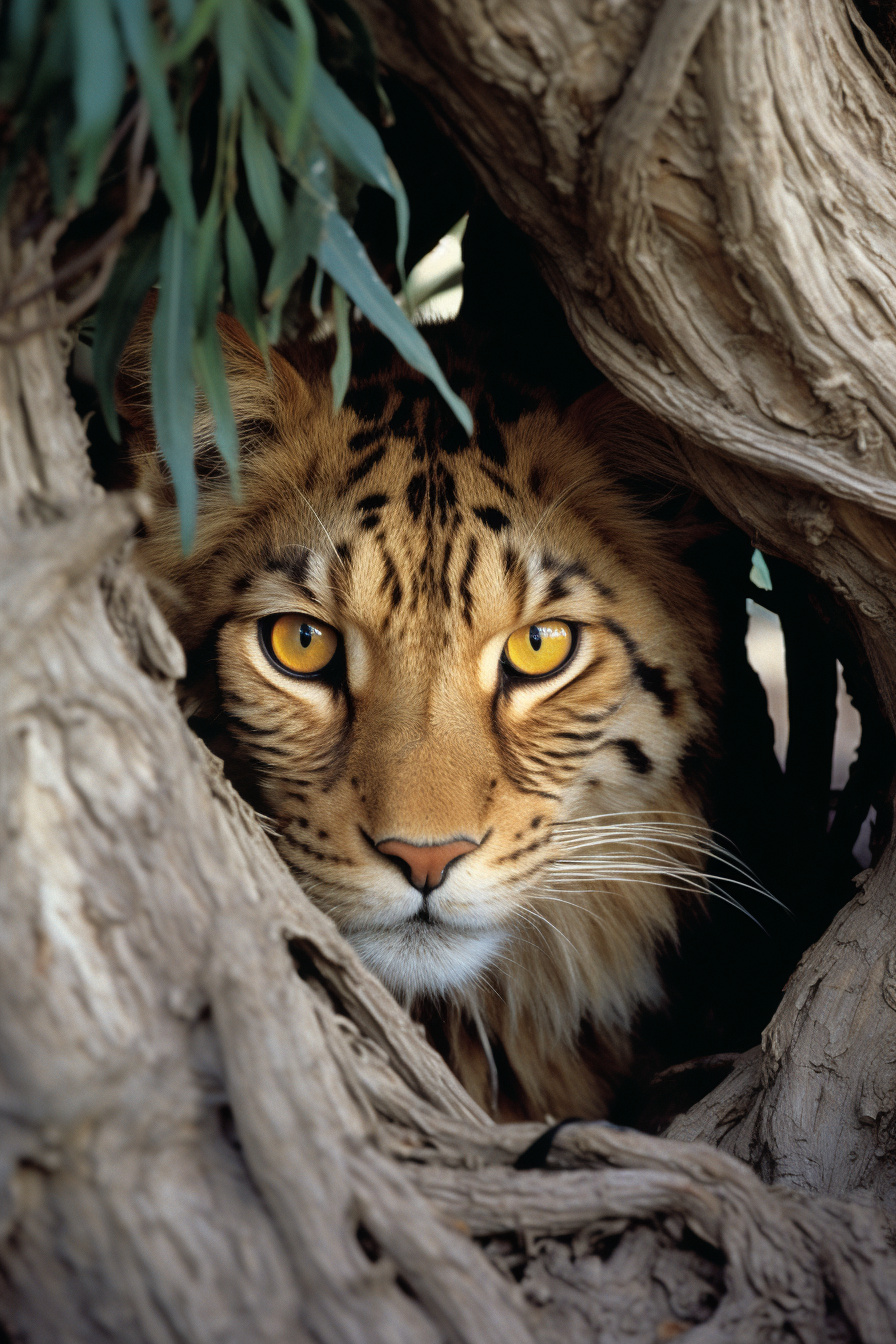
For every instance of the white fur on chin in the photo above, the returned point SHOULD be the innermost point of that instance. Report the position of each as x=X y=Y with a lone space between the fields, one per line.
x=416 y=960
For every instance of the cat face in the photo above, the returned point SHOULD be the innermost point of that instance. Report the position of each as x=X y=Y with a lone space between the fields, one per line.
x=437 y=657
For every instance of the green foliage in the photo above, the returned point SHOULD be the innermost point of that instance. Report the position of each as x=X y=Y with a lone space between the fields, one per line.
x=245 y=128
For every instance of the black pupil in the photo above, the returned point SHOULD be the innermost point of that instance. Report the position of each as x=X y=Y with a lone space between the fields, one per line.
x=535 y=637
x=305 y=633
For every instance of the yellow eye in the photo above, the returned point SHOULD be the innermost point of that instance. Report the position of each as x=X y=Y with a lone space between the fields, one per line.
x=301 y=643
x=537 y=649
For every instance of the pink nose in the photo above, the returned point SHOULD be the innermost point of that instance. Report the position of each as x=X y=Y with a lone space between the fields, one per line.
x=427 y=863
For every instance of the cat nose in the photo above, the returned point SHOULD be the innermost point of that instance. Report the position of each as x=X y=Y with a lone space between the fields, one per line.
x=425 y=864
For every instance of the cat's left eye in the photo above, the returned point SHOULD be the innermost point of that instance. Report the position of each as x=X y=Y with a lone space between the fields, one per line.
x=535 y=650
x=299 y=644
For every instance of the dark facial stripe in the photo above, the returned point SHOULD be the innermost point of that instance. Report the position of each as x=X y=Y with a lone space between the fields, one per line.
x=404 y=422
x=504 y=486
x=653 y=679
x=294 y=566
x=511 y=402
x=444 y=586
x=368 y=403
x=364 y=438
x=621 y=633
x=639 y=762
x=494 y=519
x=581 y=737
x=364 y=466
x=443 y=431
x=488 y=436
x=466 y=578
x=416 y=494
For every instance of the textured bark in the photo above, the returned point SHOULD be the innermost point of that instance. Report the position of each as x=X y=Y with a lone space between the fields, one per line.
x=718 y=221
x=215 y=1124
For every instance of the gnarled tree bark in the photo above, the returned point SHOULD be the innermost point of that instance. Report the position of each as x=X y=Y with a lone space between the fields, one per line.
x=215 y=1123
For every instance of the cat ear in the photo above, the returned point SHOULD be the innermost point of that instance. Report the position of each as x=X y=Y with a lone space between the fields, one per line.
x=643 y=455
x=260 y=399
x=628 y=439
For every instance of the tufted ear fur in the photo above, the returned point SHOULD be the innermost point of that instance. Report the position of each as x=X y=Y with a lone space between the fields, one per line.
x=642 y=453
x=261 y=399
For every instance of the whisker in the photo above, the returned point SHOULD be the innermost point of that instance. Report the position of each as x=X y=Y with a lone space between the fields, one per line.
x=307 y=501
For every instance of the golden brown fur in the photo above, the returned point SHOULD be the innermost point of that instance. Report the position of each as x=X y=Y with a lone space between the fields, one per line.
x=425 y=553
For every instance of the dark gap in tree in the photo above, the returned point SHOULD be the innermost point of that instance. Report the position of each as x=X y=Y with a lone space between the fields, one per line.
x=368 y=1243
x=308 y=970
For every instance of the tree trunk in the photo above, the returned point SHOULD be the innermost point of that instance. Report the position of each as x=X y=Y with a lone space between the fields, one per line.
x=216 y=1124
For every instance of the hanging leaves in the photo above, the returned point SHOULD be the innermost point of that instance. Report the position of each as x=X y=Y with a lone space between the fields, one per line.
x=82 y=76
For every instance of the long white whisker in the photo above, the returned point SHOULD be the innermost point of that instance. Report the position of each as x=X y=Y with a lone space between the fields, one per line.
x=307 y=501
x=551 y=926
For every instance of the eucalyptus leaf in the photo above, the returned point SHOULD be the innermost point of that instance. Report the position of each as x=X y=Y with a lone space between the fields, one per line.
x=23 y=19
x=243 y=278
x=173 y=385
x=208 y=268
x=262 y=175
x=136 y=271
x=182 y=12
x=199 y=26
x=264 y=56
x=98 y=88
x=368 y=65
x=304 y=60
x=232 y=36
x=300 y=239
x=275 y=47
x=341 y=371
x=357 y=145
x=211 y=375
x=54 y=65
x=342 y=256
x=759 y=575
x=144 y=48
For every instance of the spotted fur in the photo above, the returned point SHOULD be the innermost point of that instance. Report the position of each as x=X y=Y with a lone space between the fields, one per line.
x=426 y=550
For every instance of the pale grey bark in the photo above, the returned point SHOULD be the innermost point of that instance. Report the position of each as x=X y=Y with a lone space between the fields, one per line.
x=196 y=1123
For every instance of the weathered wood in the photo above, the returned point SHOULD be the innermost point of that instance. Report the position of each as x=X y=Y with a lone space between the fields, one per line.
x=215 y=1123
x=725 y=262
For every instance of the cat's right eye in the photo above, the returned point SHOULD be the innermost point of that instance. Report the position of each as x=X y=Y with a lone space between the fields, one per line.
x=298 y=644
x=537 y=650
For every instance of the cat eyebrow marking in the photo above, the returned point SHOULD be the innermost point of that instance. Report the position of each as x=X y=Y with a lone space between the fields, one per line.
x=294 y=567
